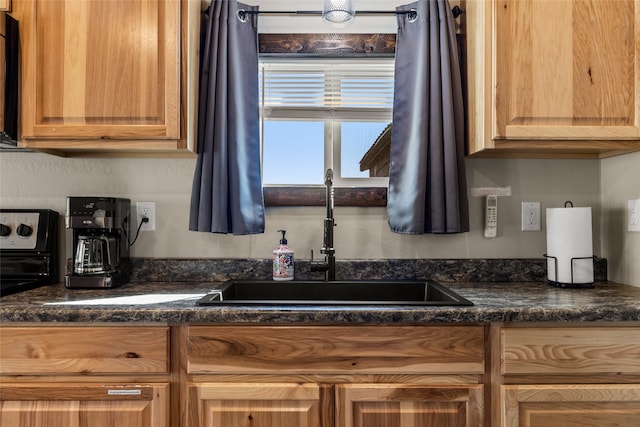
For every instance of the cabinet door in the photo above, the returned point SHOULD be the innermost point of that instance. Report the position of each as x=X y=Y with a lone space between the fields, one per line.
x=100 y=69
x=396 y=405
x=567 y=69
x=5 y=5
x=264 y=405
x=582 y=405
x=56 y=405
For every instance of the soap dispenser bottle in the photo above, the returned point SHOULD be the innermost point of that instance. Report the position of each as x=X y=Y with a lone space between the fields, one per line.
x=283 y=260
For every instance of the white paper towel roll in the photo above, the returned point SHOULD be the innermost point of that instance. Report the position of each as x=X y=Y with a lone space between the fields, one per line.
x=569 y=236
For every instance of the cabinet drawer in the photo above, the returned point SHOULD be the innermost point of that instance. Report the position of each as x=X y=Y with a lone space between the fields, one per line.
x=84 y=350
x=570 y=350
x=336 y=349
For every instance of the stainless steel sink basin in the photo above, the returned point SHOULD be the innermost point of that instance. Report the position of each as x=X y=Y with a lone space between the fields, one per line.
x=345 y=292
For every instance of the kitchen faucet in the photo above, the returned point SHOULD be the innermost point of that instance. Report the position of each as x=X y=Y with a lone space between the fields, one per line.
x=329 y=263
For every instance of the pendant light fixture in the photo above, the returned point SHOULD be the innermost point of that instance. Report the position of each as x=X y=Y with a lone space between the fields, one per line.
x=338 y=11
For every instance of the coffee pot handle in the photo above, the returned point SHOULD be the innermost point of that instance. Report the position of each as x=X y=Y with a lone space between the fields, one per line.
x=107 y=249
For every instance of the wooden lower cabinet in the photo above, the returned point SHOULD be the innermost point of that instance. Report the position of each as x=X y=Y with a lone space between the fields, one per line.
x=335 y=376
x=265 y=405
x=584 y=405
x=94 y=405
x=498 y=375
x=340 y=405
x=398 y=405
x=84 y=376
x=566 y=376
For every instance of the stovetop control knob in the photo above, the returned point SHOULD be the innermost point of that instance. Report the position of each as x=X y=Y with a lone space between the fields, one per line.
x=24 y=230
x=5 y=230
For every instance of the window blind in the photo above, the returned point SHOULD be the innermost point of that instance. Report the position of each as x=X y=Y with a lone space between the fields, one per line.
x=316 y=88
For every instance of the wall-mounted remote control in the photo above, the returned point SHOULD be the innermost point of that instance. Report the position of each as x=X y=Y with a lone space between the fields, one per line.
x=491 y=217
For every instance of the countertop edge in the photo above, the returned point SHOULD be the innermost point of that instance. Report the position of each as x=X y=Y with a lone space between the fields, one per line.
x=493 y=302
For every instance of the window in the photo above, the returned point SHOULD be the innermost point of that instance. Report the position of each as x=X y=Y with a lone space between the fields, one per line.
x=326 y=113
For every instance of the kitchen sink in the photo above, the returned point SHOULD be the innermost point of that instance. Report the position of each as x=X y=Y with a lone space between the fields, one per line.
x=345 y=292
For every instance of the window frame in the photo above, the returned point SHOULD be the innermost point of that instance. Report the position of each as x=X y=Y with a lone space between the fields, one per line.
x=331 y=46
x=286 y=100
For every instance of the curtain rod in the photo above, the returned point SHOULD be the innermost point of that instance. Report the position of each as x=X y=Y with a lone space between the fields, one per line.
x=456 y=11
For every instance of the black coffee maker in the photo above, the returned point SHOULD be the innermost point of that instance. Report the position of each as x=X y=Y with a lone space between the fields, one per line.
x=100 y=242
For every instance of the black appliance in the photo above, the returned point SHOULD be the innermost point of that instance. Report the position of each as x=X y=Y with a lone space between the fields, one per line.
x=100 y=242
x=11 y=67
x=28 y=249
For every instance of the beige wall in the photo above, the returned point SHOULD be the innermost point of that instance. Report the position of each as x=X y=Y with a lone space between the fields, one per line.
x=620 y=182
x=39 y=180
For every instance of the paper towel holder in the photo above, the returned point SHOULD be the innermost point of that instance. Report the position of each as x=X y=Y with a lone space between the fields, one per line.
x=572 y=284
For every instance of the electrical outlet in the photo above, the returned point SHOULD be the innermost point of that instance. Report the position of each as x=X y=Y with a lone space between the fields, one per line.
x=634 y=215
x=146 y=209
x=530 y=216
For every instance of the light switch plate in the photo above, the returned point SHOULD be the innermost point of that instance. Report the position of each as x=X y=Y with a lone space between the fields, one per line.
x=634 y=215
x=530 y=216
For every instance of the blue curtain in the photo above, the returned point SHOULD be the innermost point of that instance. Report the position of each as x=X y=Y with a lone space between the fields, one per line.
x=427 y=179
x=226 y=196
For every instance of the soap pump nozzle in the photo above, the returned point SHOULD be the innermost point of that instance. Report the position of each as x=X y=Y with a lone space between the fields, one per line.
x=283 y=241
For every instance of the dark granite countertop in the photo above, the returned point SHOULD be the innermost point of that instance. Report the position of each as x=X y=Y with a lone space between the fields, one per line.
x=494 y=302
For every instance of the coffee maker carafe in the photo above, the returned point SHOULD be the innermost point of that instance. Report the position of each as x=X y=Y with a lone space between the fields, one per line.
x=100 y=242
x=93 y=254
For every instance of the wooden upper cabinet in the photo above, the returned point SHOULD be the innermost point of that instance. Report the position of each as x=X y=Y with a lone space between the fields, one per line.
x=5 y=5
x=105 y=71
x=561 y=76
x=106 y=68
x=566 y=69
